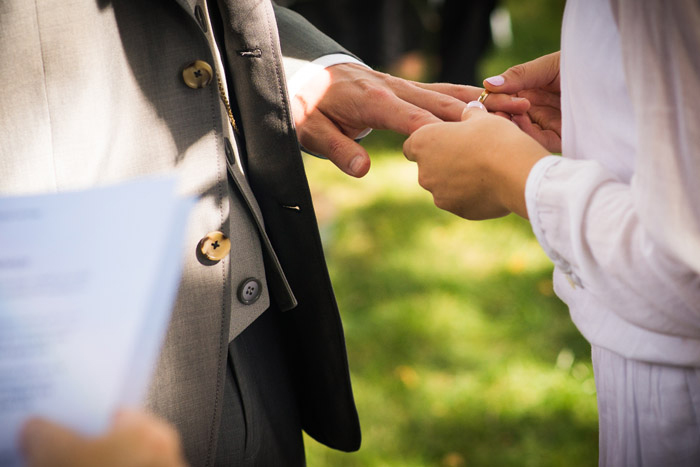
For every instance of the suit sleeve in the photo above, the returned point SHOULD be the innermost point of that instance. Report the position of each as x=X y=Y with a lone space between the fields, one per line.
x=301 y=42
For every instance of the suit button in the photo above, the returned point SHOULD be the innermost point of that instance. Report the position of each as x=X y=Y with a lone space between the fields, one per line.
x=249 y=291
x=215 y=246
x=197 y=74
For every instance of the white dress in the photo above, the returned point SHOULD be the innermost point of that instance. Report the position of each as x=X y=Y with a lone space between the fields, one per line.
x=619 y=215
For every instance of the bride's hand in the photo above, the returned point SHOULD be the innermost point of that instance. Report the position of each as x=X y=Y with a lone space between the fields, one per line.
x=538 y=82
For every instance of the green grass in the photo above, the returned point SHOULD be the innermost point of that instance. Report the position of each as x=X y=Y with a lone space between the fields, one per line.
x=536 y=31
x=459 y=351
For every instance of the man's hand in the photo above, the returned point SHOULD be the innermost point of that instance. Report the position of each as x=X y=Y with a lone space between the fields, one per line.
x=338 y=104
x=477 y=168
x=538 y=82
x=135 y=440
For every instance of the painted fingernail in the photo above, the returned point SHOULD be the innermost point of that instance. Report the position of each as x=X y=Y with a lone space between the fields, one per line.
x=476 y=105
x=356 y=163
x=496 y=80
x=517 y=99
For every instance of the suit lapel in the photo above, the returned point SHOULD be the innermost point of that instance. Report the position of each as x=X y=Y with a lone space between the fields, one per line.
x=187 y=5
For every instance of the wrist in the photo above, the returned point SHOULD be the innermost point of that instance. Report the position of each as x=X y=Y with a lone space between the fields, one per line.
x=512 y=176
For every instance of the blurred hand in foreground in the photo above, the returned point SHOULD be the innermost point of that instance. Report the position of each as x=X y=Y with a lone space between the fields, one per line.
x=538 y=82
x=339 y=104
x=134 y=440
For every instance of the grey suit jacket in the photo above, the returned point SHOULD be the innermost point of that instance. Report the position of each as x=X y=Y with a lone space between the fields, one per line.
x=93 y=93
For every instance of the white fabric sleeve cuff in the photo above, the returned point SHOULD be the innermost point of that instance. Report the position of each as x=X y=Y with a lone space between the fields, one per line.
x=532 y=189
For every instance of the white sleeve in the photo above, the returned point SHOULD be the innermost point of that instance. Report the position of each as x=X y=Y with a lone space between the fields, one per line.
x=636 y=246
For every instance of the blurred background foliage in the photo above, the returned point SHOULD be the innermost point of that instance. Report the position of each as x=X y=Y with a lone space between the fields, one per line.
x=459 y=351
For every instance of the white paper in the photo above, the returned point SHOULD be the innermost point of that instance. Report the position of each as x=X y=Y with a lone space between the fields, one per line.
x=87 y=283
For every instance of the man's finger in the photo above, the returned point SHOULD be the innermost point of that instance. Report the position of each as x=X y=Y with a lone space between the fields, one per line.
x=494 y=103
x=443 y=106
x=389 y=112
x=459 y=91
x=319 y=135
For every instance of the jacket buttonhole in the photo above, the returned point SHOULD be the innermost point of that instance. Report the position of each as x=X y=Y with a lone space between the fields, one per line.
x=250 y=53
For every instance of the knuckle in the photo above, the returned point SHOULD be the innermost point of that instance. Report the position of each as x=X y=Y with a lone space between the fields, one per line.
x=408 y=146
x=416 y=118
x=377 y=93
x=424 y=181
x=335 y=146
x=363 y=83
x=393 y=81
x=419 y=140
x=555 y=61
x=400 y=85
x=517 y=71
x=441 y=203
x=374 y=88
x=445 y=103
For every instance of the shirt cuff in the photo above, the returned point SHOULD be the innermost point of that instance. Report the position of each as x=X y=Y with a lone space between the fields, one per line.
x=532 y=195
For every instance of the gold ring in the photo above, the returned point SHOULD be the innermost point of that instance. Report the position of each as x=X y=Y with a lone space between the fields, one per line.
x=483 y=96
